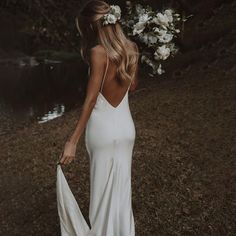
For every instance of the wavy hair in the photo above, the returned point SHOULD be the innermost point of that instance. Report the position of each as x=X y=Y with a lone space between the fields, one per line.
x=120 y=49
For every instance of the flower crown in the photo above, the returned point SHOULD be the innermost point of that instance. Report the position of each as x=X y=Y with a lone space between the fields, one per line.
x=112 y=16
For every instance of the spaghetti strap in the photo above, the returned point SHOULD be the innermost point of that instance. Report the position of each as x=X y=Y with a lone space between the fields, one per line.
x=104 y=73
x=130 y=84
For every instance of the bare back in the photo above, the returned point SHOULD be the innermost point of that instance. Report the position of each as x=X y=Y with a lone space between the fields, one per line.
x=112 y=89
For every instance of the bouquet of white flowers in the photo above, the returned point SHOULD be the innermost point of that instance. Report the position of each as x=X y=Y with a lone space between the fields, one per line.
x=156 y=30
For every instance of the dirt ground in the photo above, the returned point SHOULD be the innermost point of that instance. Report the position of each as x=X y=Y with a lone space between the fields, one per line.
x=183 y=171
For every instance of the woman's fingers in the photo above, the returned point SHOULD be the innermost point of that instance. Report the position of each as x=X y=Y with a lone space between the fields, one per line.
x=70 y=159
x=66 y=159
x=62 y=159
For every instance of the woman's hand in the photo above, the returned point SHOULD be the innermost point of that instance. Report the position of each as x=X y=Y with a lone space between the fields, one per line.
x=68 y=155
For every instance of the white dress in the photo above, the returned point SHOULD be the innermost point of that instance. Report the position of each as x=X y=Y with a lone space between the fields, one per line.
x=109 y=138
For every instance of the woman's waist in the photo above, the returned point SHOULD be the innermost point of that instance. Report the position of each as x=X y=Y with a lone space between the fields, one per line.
x=102 y=112
x=102 y=117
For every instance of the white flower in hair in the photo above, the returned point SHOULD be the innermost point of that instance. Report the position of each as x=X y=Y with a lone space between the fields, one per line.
x=111 y=19
x=112 y=16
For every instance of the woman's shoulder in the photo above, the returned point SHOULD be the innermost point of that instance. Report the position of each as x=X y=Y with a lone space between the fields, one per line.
x=98 y=53
x=98 y=49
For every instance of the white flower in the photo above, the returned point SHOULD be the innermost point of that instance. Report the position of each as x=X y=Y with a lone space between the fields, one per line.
x=165 y=38
x=138 y=28
x=155 y=20
x=144 y=38
x=147 y=60
x=152 y=39
x=161 y=19
x=115 y=8
x=144 y=18
x=112 y=16
x=148 y=39
x=160 y=71
x=173 y=48
x=139 y=9
x=143 y=58
x=117 y=11
x=155 y=29
x=163 y=35
x=161 y=32
x=162 y=53
x=169 y=11
x=169 y=15
x=111 y=19
x=157 y=39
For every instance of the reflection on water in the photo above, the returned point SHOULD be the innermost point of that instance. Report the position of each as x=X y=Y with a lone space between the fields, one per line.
x=14 y=116
x=57 y=111
x=28 y=61
x=39 y=90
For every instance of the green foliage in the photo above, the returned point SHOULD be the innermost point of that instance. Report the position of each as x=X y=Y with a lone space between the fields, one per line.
x=52 y=22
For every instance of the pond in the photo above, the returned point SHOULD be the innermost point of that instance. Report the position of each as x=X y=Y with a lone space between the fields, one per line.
x=36 y=89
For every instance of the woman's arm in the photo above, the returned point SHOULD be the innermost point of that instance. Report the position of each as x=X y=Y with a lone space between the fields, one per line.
x=97 y=68
x=97 y=62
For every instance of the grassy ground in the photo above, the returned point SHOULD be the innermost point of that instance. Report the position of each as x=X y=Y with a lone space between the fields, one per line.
x=182 y=165
x=184 y=156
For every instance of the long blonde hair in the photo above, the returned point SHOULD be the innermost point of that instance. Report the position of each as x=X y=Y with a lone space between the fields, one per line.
x=121 y=50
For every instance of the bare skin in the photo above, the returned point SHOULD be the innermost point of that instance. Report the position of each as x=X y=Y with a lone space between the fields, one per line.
x=97 y=61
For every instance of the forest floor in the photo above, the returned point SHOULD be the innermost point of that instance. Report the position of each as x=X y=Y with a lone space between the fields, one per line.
x=183 y=170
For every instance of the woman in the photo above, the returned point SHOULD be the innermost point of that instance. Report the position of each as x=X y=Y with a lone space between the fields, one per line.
x=110 y=131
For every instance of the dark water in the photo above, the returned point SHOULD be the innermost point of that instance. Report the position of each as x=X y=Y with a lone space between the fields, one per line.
x=39 y=91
